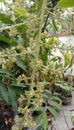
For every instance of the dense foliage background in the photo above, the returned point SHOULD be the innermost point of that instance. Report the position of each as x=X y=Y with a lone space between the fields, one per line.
x=28 y=68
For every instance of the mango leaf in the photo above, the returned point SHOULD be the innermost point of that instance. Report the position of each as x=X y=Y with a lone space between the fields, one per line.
x=4 y=42
x=52 y=111
x=37 y=109
x=3 y=92
x=65 y=3
x=8 y=95
x=21 y=12
x=51 y=41
x=18 y=90
x=22 y=85
x=39 y=5
x=20 y=63
x=45 y=96
x=45 y=120
x=4 y=39
x=21 y=29
x=38 y=119
x=55 y=98
x=55 y=104
x=67 y=58
x=2 y=0
x=44 y=55
x=12 y=98
x=4 y=71
x=48 y=92
x=5 y=19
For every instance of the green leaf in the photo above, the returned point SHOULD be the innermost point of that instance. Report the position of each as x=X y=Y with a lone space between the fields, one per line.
x=20 y=63
x=4 y=71
x=3 y=92
x=39 y=5
x=47 y=92
x=4 y=42
x=38 y=119
x=21 y=29
x=65 y=3
x=12 y=98
x=45 y=96
x=37 y=109
x=52 y=111
x=55 y=104
x=2 y=0
x=67 y=58
x=55 y=98
x=5 y=19
x=45 y=120
x=21 y=12
x=22 y=85
x=44 y=55
x=18 y=90
x=8 y=95
x=51 y=41
x=4 y=39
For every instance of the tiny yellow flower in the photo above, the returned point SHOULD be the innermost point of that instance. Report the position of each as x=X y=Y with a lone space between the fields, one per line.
x=14 y=127
x=16 y=119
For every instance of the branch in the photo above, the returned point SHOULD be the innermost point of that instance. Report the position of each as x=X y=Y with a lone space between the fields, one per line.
x=50 y=5
x=45 y=22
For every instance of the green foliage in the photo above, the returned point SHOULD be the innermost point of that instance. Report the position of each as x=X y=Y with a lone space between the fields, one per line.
x=7 y=95
x=6 y=73
x=45 y=120
x=2 y=0
x=5 y=19
x=44 y=55
x=39 y=5
x=4 y=39
x=52 y=111
x=67 y=58
x=3 y=94
x=55 y=104
x=28 y=62
x=42 y=120
x=65 y=3
x=18 y=88
x=20 y=63
x=21 y=12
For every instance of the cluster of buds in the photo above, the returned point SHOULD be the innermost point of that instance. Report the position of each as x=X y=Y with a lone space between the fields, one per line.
x=39 y=64
x=22 y=50
x=1 y=57
x=12 y=32
x=22 y=78
x=21 y=98
x=26 y=120
x=7 y=63
x=36 y=64
x=6 y=56
x=32 y=25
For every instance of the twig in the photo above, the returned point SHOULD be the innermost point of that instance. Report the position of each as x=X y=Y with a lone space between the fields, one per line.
x=45 y=22
x=15 y=25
